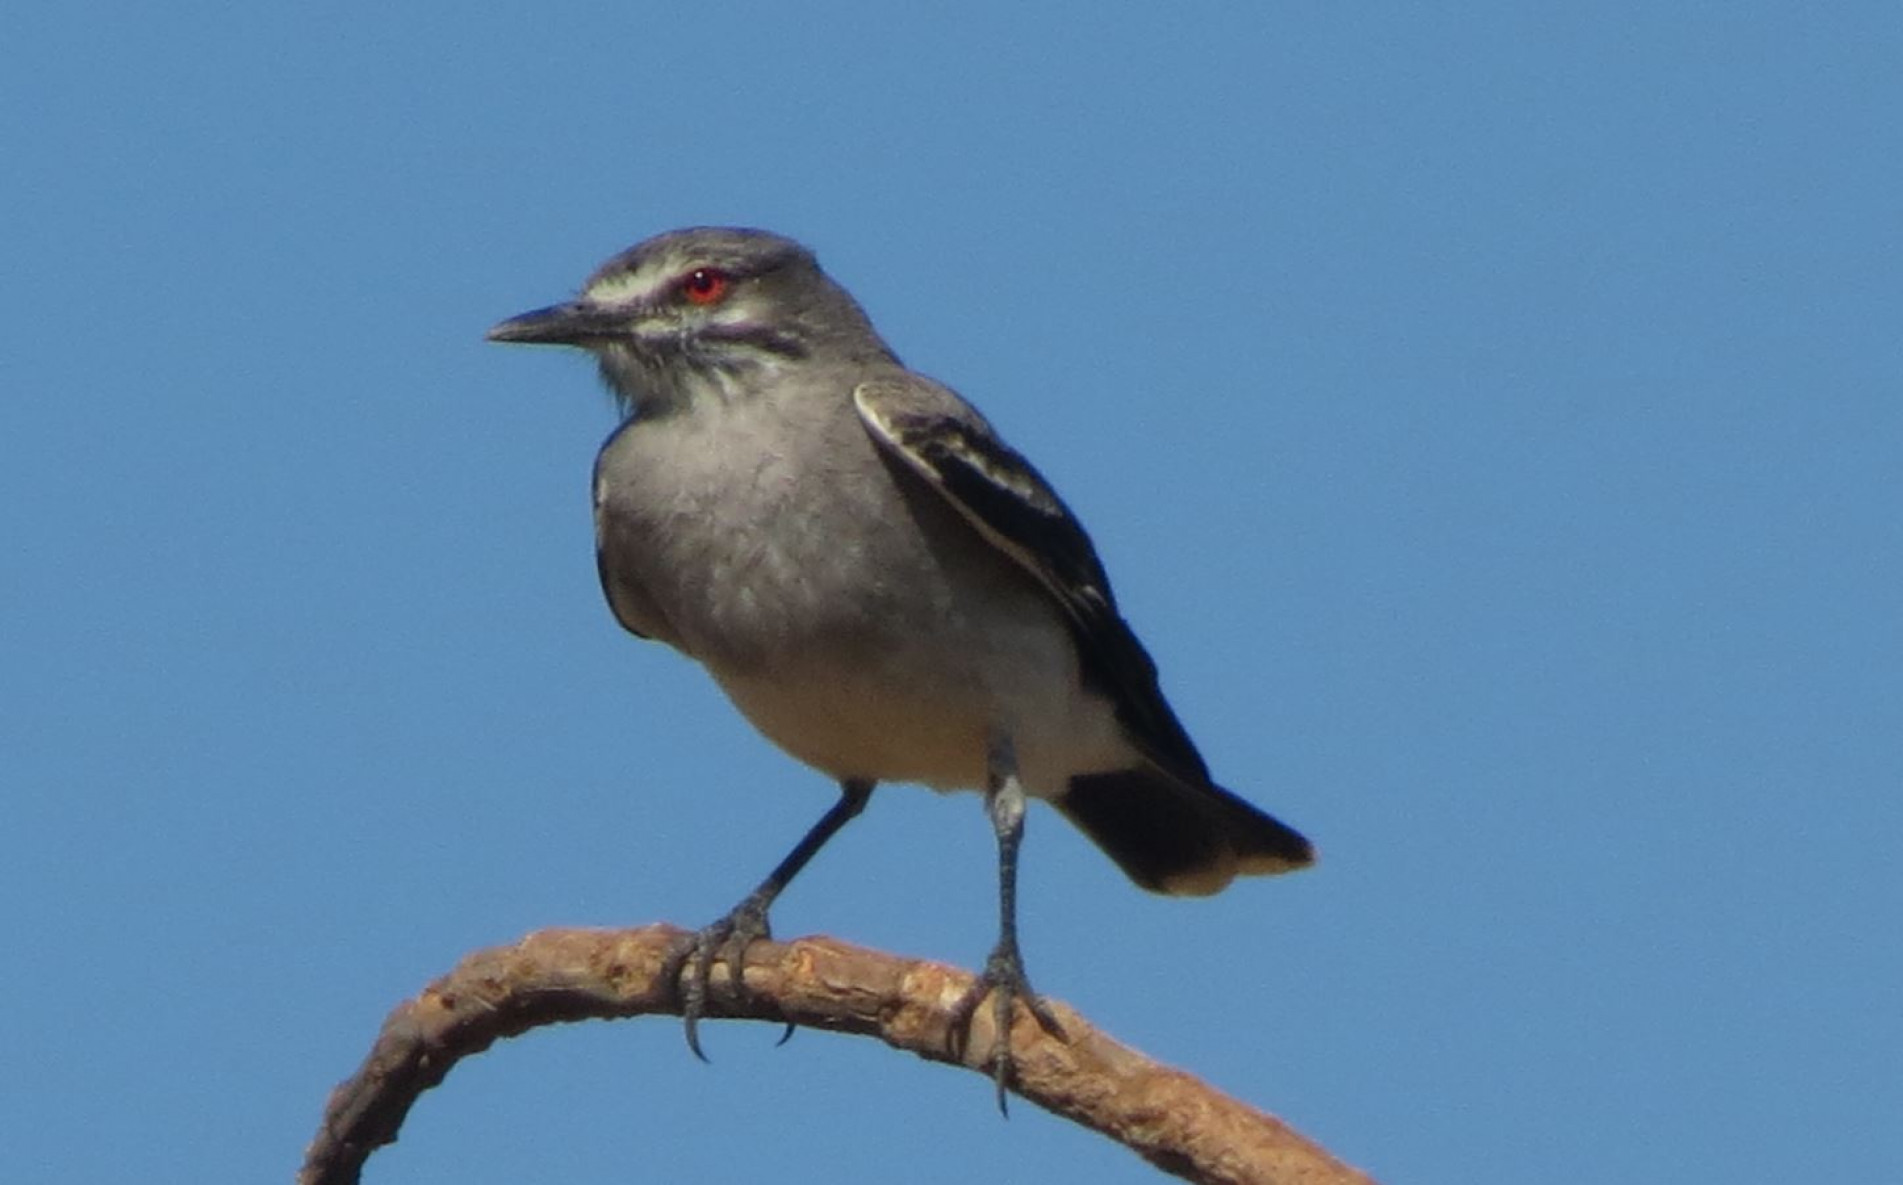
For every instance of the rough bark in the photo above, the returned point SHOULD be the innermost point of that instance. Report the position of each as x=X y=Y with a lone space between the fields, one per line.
x=1166 y=1116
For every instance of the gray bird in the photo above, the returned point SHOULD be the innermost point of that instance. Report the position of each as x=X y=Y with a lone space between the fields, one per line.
x=882 y=586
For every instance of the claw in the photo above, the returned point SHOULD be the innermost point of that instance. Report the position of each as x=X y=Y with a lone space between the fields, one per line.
x=731 y=935
x=691 y=962
x=1003 y=980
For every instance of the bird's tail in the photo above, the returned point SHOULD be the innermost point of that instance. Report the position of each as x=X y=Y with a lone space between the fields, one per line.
x=1177 y=837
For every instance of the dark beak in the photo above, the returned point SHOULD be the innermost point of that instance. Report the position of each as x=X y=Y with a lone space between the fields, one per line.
x=572 y=324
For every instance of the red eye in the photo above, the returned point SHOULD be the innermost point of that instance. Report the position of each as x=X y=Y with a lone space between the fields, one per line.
x=705 y=286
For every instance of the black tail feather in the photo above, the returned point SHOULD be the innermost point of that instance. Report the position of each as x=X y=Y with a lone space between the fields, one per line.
x=1177 y=837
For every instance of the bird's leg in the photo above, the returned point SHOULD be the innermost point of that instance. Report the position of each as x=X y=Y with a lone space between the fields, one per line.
x=732 y=934
x=1003 y=978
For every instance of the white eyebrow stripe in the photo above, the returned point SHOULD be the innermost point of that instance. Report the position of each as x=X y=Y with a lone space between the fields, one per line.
x=621 y=287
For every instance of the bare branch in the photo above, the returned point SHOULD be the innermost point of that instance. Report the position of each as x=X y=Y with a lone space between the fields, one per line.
x=1166 y=1116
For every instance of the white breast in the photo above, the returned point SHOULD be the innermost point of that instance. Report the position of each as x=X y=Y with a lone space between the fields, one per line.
x=855 y=619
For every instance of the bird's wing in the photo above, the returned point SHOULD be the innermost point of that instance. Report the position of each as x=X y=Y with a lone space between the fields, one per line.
x=940 y=437
x=629 y=605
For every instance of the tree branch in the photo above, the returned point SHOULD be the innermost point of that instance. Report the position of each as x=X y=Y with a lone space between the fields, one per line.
x=1166 y=1116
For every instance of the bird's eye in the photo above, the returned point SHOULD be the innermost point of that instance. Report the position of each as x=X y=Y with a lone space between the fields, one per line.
x=706 y=285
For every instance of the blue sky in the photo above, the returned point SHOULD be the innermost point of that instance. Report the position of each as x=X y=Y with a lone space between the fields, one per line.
x=1490 y=417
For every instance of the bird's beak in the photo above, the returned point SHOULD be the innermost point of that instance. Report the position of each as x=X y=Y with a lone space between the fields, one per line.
x=572 y=324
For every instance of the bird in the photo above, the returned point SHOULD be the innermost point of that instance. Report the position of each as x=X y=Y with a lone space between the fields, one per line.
x=881 y=585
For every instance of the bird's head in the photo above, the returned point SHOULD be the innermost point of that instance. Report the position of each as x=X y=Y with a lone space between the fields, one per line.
x=685 y=312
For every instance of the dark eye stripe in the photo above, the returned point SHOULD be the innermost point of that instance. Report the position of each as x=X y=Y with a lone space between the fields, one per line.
x=762 y=337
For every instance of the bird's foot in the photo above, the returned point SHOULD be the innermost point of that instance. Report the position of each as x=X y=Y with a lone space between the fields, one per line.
x=1003 y=979
x=690 y=963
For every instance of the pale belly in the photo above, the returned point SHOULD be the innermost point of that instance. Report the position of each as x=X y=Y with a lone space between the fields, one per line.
x=921 y=718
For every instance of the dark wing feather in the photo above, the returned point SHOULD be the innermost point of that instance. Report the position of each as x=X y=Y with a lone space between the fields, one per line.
x=944 y=440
